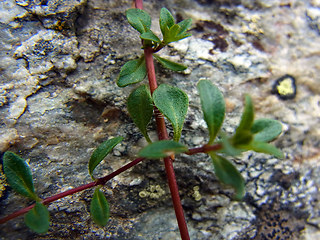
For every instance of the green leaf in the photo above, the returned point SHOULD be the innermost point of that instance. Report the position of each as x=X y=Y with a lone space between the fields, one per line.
x=264 y=147
x=174 y=34
x=99 y=208
x=139 y=19
x=228 y=148
x=166 y=21
x=228 y=174
x=213 y=107
x=161 y=149
x=243 y=133
x=266 y=130
x=171 y=34
x=184 y=25
x=101 y=152
x=170 y=65
x=242 y=138
x=18 y=175
x=132 y=72
x=247 y=116
x=149 y=35
x=173 y=104
x=38 y=218
x=140 y=107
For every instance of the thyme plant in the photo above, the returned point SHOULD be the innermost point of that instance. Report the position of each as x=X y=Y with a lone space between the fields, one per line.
x=144 y=102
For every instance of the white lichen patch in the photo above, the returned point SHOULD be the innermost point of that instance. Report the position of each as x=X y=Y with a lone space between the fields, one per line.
x=196 y=194
x=47 y=50
x=152 y=192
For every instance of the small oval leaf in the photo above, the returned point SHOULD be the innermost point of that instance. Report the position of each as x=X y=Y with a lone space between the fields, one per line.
x=267 y=148
x=173 y=104
x=18 y=175
x=101 y=152
x=213 y=107
x=184 y=25
x=132 y=72
x=175 y=34
x=266 y=130
x=247 y=116
x=38 y=218
x=149 y=35
x=169 y=64
x=161 y=149
x=139 y=19
x=244 y=128
x=166 y=21
x=140 y=107
x=228 y=174
x=99 y=208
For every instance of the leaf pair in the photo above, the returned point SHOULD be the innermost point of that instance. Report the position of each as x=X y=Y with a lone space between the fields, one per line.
x=173 y=32
x=171 y=102
x=134 y=71
x=141 y=21
x=19 y=177
x=255 y=134
x=213 y=108
x=99 y=207
x=250 y=134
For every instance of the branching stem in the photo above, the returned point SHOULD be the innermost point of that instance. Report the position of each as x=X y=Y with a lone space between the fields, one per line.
x=101 y=181
x=168 y=161
x=163 y=135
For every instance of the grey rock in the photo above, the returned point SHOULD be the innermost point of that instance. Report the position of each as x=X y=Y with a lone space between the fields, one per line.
x=58 y=100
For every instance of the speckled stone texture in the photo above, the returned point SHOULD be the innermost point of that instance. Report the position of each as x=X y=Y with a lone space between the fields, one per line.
x=59 y=61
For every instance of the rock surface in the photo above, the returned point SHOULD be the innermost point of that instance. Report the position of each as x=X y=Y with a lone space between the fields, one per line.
x=58 y=100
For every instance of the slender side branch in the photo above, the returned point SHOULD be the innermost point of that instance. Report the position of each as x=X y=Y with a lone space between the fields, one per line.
x=100 y=181
x=204 y=149
x=103 y=180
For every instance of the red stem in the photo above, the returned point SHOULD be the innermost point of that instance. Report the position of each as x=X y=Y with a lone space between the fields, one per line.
x=150 y=69
x=162 y=135
x=204 y=149
x=139 y=4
